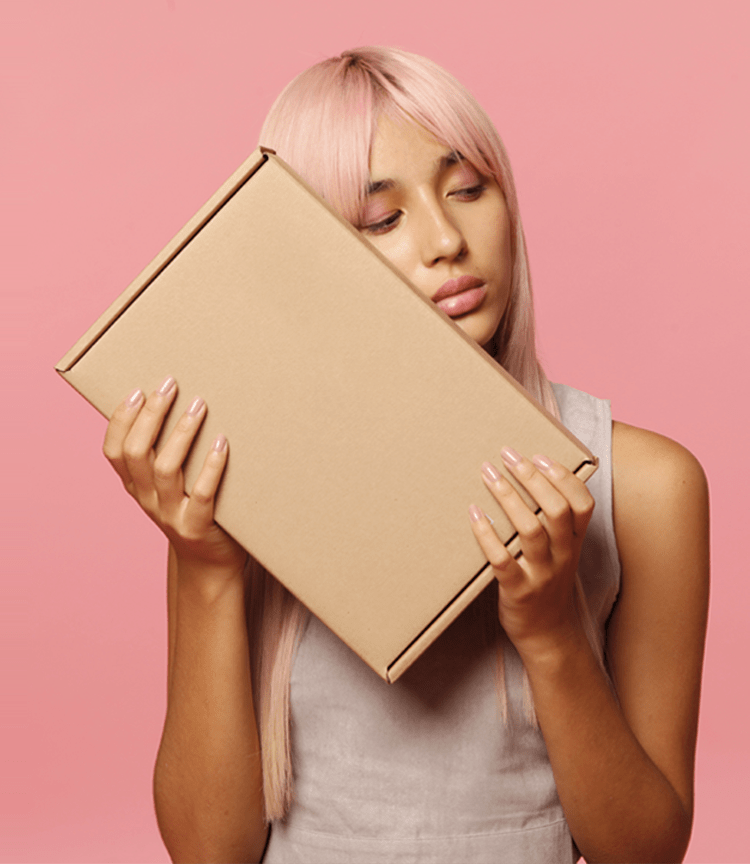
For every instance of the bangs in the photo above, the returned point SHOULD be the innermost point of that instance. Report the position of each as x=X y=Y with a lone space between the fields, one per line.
x=324 y=122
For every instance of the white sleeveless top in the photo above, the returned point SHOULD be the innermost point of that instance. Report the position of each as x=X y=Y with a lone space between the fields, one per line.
x=426 y=769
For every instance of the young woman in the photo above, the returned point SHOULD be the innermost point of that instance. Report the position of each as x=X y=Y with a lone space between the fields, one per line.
x=451 y=763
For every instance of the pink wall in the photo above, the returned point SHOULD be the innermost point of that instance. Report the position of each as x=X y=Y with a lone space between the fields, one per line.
x=628 y=127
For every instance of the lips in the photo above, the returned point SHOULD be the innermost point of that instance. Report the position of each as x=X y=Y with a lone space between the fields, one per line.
x=459 y=296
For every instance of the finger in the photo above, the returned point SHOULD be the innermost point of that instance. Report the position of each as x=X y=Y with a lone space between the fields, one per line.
x=575 y=491
x=555 y=510
x=117 y=430
x=504 y=566
x=199 y=509
x=139 y=442
x=535 y=543
x=168 y=477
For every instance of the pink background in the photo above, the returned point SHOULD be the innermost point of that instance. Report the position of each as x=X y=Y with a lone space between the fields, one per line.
x=627 y=123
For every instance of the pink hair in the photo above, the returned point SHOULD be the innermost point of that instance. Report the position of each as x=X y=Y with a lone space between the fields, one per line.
x=323 y=124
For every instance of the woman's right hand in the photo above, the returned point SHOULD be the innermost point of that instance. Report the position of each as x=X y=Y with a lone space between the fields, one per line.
x=157 y=482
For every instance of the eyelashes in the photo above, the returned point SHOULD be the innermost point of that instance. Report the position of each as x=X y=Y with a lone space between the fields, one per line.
x=383 y=226
x=470 y=193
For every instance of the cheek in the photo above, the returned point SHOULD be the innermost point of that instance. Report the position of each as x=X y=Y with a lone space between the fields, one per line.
x=500 y=264
x=498 y=251
x=503 y=242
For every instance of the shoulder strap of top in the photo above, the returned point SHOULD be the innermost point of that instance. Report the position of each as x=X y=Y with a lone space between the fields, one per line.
x=590 y=420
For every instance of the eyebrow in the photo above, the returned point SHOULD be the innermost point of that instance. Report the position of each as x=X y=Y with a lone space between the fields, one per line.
x=447 y=161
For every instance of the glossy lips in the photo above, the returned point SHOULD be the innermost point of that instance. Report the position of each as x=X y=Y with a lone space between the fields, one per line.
x=458 y=296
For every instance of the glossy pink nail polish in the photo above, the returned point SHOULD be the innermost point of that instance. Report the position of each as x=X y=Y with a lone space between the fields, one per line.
x=490 y=472
x=541 y=462
x=134 y=398
x=166 y=386
x=511 y=457
x=475 y=514
x=220 y=444
x=196 y=406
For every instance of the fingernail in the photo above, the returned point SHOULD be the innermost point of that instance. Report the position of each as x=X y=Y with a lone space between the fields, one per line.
x=490 y=472
x=196 y=406
x=541 y=462
x=220 y=443
x=166 y=386
x=475 y=514
x=134 y=398
x=511 y=457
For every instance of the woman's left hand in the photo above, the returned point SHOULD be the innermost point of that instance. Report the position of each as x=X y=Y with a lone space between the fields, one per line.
x=537 y=606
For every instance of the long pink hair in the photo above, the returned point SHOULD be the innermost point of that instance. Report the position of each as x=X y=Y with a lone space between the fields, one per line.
x=323 y=125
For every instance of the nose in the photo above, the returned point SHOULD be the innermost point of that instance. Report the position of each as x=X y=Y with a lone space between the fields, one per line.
x=442 y=239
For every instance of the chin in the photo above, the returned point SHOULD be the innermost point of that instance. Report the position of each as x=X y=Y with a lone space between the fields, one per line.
x=481 y=334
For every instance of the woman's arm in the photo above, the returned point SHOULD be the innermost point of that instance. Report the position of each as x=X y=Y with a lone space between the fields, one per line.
x=208 y=786
x=207 y=782
x=623 y=763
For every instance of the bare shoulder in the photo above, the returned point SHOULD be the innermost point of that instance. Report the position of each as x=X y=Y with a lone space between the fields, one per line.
x=661 y=527
x=656 y=480
x=660 y=514
x=640 y=452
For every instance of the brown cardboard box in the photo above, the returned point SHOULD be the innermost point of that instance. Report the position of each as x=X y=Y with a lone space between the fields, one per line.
x=358 y=414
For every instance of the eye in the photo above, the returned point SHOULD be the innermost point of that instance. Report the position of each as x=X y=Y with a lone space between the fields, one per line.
x=469 y=193
x=383 y=226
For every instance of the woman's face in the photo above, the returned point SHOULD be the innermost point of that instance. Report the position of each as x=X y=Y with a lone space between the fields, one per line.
x=440 y=223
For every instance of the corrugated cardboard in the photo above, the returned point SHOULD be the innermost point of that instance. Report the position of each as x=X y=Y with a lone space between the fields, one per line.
x=358 y=414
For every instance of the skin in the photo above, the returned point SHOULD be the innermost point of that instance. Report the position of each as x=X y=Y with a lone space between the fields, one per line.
x=622 y=757
x=436 y=221
x=207 y=779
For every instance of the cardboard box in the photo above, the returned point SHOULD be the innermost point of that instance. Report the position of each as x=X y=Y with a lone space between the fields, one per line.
x=358 y=414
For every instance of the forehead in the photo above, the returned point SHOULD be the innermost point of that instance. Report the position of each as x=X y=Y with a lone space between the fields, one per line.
x=403 y=151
